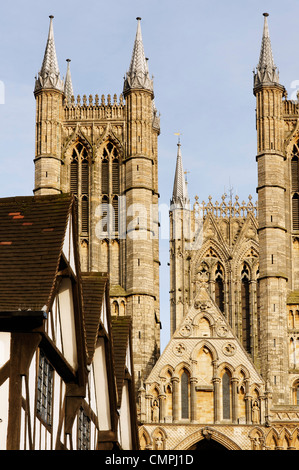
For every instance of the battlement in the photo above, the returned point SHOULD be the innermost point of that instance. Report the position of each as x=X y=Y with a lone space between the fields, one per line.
x=225 y=209
x=93 y=108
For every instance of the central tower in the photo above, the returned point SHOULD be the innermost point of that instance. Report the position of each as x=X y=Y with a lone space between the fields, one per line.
x=105 y=151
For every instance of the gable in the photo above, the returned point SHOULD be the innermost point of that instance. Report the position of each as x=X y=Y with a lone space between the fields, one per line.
x=68 y=245
x=203 y=328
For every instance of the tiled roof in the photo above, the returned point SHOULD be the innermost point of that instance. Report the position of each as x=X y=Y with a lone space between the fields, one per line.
x=120 y=331
x=32 y=230
x=93 y=289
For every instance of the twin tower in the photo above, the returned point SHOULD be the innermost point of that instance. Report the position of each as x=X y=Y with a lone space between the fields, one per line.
x=104 y=150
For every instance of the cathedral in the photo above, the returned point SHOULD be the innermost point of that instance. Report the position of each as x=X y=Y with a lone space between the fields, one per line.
x=228 y=378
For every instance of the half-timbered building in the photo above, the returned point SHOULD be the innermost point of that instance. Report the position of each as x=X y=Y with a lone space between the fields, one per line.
x=57 y=364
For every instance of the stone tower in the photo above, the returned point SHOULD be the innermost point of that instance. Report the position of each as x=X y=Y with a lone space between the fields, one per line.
x=274 y=221
x=104 y=150
x=229 y=376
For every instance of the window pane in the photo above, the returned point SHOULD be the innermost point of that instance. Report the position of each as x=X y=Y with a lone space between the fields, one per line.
x=185 y=396
x=226 y=396
x=44 y=390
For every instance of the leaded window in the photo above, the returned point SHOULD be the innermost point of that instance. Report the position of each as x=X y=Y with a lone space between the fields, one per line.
x=185 y=395
x=83 y=431
x=110 y=188
x=219 y=288
x=245 y=301
x=44 y=403
x=226 y=411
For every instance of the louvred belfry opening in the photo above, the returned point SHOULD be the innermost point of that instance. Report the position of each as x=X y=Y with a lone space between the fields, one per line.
x=79 y=184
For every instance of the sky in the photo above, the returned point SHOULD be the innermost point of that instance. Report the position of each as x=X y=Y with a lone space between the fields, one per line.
x=202 y=54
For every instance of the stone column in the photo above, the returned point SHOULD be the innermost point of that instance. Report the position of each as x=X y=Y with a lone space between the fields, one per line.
x=216 y=382
x=162 y=401
x=234 y=383
x=262 y=409
x=148 y=398
x=193 y=382
x=248 y=406
x=175 y=399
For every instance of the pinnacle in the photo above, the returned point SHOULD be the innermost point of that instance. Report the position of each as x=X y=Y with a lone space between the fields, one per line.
x=180 y=191
x=138 y=75
x=68 y=86
x=49 y=75
x=266 y=71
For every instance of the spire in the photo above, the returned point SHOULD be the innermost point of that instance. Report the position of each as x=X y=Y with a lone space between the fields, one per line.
x=68 y=87
x=49 y=76
x=180 y=192
x=138 y=75
x=266 y=71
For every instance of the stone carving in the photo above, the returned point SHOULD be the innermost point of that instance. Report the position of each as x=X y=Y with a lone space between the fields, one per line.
x=221 y=330
x=255 y=413
x=207 y=433
x=186 y=330
x=159 y=443
x=179 y=349
x=229 y=349
x=155 y=412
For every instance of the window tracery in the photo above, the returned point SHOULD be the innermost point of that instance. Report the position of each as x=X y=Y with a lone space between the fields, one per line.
x=110 y=187
x=79 y=184
x=245 y=301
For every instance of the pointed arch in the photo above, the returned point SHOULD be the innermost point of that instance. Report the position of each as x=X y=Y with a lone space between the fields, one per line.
x=219 y=286
x=109 y=161
x=204 y=344
x=144 y=439
x=159 y=437
x=79 y=182
x=199 y=435
x=226 y=395
x=167 y=370
x=295 y=211
x=76 y=136
x=242 y=370
x=245 y=307
x=272 y=439
x=185 y=394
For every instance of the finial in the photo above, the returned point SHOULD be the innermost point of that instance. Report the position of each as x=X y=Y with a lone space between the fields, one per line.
x=138 y=18
x=179 y=137
x=68 y=60
x=266 y=14
x=51 y=17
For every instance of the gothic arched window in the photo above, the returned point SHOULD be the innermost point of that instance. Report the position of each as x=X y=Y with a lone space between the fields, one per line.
x=295 y=169
x=185 y=395
x=226 y=401
x=110 y=183
x=219 y=288
x=245 y=300
x=295 y=211
x=79 y=184
x=295 y=186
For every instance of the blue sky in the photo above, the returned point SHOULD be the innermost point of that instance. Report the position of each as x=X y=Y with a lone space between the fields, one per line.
x=201 y=54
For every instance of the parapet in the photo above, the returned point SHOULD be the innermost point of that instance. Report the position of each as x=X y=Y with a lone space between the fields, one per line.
x=93 y=108
x=225 y=209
